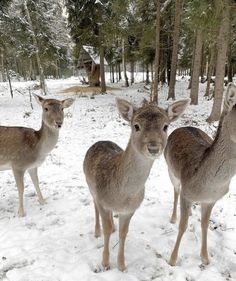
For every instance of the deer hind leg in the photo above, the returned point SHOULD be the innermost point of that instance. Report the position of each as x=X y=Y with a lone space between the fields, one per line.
x=185 y=206
x=124 y=221
x=205 y=215
x=34 y=177
x=107 y=230
x=97 y=232
x=19 y=178
x=113 y=224
x=176 y=184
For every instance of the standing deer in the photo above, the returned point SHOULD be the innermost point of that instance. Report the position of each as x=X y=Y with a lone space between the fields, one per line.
x=24 y=149
x=201 y=169
x=116 y=178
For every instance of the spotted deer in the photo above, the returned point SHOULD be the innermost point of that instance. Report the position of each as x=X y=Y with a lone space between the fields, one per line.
x=25 y=149
x=116 y=178
x=201 y=169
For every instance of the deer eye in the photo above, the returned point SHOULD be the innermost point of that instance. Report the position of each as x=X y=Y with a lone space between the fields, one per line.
x=46 y=109
x=165 y=128
x=136 y=127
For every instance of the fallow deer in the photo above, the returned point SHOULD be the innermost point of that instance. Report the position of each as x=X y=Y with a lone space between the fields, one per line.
x=116 y=178
x=25 y=149
x=201 y=169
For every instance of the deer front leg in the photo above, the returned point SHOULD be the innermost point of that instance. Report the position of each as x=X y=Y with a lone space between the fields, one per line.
x=184 y=214
x=34 y=177
x=107 y=230
x=124 y=221
x=19 y=178
x=205 y=215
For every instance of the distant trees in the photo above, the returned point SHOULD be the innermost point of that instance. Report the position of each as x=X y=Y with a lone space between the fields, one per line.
x=162 y=37
x=34 y=39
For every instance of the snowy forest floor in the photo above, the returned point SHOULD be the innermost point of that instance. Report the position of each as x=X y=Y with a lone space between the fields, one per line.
x=55 y=242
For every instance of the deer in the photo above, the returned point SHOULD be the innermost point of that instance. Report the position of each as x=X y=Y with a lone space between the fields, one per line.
x=116 y=177
x=201 y=168
x=25 y=149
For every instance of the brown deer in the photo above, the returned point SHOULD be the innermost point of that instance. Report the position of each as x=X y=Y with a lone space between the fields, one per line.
x=116 y=178
x=201 y=169
x=24 y=149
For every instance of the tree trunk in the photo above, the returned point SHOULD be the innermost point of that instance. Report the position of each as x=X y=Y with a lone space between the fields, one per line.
x=41 y=73
x=4 y=78
x=124 y=64
x=154 y=96
x=132 y=72
x=174 y=59
x=210 y=69
x=222 y=44
x=147 y=82
x=162 y=67
x=102 y=69
x=202 y=69
x=229 y=57
x=196 y=68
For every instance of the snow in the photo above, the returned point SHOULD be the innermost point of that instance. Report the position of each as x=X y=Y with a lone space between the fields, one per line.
x=55 y=242
x=93 y=54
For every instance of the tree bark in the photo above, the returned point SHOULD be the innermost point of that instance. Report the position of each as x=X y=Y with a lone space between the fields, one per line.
x=196 y=68
x=210 y=69
x=102 y=69
x=124 y=64
x=147 y=82
x=154 y=96
x=174 y=59
x=222 y=44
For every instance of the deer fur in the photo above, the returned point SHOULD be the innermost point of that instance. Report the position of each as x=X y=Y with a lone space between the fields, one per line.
x=25 y=149
x=116 y=178
x=201 y=169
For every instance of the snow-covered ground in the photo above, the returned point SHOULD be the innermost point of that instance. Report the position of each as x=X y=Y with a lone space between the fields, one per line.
x=55 y=242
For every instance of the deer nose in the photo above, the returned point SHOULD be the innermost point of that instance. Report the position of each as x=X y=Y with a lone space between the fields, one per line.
x=58 y=124
x=154 y=149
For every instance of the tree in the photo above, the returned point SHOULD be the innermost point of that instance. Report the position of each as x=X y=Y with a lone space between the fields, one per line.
x=88 y=21
x=222 y=45
x=154 y=97
x=196 y=67
x=174 y=59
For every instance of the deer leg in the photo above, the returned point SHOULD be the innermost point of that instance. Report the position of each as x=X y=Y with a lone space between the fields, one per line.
x=19 y=178
x=124 y=221
x=113 y=224
x=174 y=212
x=97 y=222
x=34 y=177
x=184 y=214
x=205 y=215
x=176 y=183
x=107 y=230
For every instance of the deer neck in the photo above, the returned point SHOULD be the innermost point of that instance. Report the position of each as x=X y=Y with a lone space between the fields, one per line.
x=135 y=167
x=221 y=157
x=48 y=138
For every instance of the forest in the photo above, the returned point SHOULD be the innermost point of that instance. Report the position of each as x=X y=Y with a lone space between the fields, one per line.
x=42 y=39
x=105 y=105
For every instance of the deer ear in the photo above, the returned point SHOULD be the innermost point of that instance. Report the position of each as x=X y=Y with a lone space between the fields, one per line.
x=67 y=103
x=176 y=109
x=125 y=108
x=38 y=99
x=230 y=97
